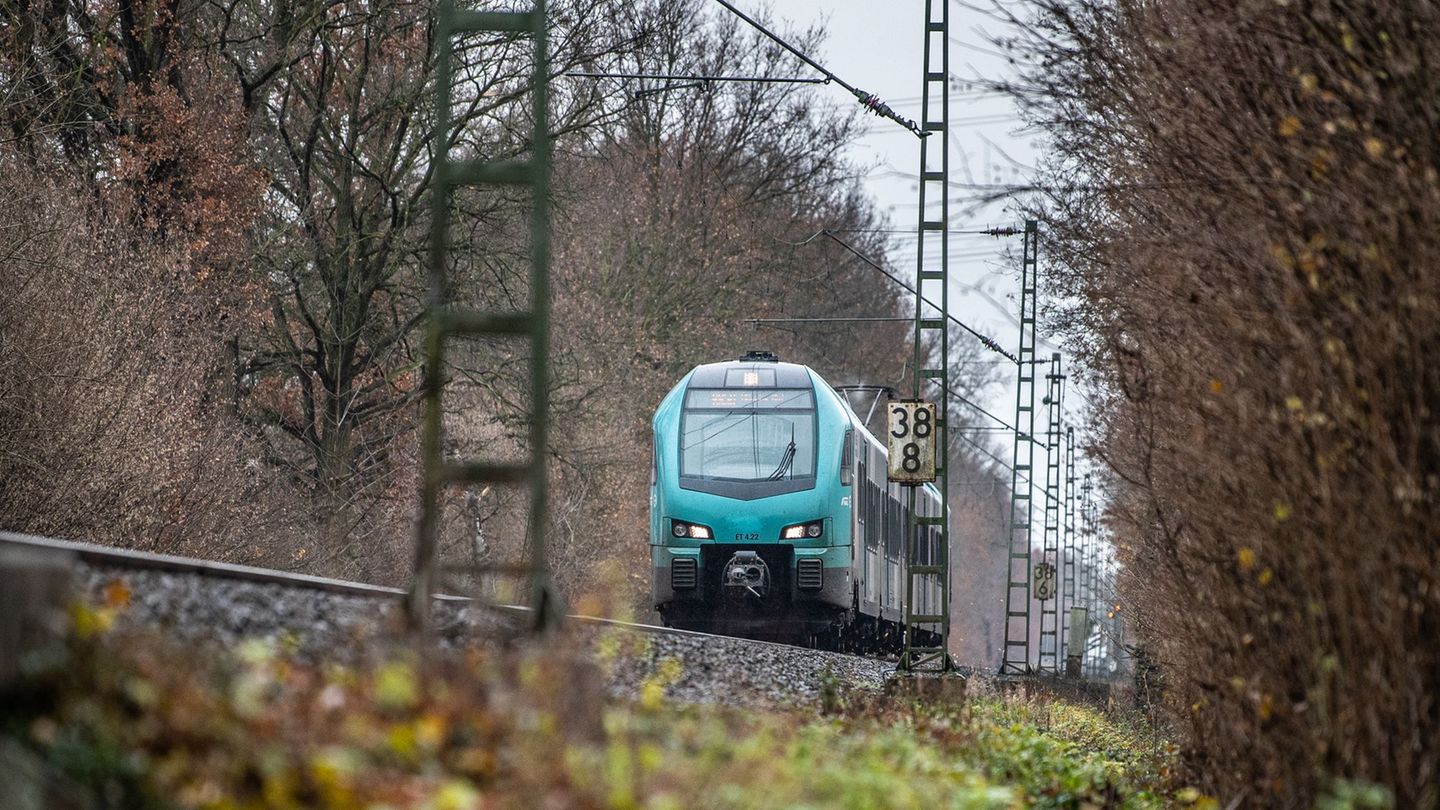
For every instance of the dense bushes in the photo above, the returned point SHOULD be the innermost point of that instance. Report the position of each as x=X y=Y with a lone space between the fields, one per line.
x=1243 y=212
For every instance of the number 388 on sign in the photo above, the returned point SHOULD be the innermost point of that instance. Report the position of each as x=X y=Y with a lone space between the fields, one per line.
x=912 y=442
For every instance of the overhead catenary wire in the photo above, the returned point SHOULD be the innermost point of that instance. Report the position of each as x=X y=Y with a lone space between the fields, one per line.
x=757 y=322
x=985 y=340
x=695 y=77
x=1002 y=424
x=964 y=401
x=1007 y=231
x=982 y=448
x=869 y=101
x=690 y=81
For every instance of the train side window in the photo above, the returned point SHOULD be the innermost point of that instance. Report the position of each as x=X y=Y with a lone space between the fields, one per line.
x=902 y=525
x=892 y=525
x=882 y=514
x=864 y=482
x=905 y=527
x=877 y=520
x=847 y=458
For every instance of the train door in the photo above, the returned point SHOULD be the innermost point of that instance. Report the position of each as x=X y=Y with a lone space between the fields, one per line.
x=874 y=571
x=864 y=523
x=921 y=551
x=893 y=535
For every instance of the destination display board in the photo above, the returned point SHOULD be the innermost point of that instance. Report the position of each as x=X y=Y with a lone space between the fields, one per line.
x=732 y=398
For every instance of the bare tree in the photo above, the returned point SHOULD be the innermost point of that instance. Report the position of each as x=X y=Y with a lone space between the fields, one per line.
x=341 y=100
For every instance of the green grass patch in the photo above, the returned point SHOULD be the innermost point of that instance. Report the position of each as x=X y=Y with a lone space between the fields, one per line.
x=1061 y=755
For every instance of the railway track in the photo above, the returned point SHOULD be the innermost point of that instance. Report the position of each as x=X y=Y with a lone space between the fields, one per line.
x=202 y=600
x=111 y=557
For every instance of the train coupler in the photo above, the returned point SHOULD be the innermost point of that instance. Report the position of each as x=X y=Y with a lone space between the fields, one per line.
x=746 y=575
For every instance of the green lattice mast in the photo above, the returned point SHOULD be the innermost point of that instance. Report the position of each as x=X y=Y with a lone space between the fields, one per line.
x=445 y=321
x=930 y=326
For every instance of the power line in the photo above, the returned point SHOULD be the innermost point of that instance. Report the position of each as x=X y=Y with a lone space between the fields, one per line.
x=691 y=80
x=974 y=120
x=985 y=340
x=869 y=101
x=913 y=232
x=997 y=460
x=1003 y=424
x=988 y=342
x=756 y=322
x=693 y=77
x=981 y=410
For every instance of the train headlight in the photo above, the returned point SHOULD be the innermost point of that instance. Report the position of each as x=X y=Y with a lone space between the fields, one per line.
x=802 y=530
x=680 y=528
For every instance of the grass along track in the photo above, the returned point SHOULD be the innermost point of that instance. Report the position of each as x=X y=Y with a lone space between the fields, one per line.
x=329 y=711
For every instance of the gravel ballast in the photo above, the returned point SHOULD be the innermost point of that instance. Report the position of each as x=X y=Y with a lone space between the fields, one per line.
x=321 y=625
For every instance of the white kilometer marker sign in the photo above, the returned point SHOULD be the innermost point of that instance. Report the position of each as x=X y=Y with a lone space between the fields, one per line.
x=1044 y=582
x=912 y=442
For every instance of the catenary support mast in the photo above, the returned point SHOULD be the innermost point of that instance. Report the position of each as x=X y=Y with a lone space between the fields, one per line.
x=1067 y=546
x=1016 y=655
x=446 y=322
x=923 y=653
x=1050 y=554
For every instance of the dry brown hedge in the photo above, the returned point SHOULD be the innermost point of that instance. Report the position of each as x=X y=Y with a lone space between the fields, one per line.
x=1244 y=213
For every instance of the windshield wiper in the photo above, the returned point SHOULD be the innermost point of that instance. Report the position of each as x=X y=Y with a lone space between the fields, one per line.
x=787 y=459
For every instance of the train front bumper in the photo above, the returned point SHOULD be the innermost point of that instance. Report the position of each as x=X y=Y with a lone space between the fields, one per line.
x=796 y=576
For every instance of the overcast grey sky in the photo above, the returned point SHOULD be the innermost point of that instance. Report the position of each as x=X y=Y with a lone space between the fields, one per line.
x=876 y=46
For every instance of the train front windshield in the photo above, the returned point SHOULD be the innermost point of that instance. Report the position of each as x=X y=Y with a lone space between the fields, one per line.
x=748 y=434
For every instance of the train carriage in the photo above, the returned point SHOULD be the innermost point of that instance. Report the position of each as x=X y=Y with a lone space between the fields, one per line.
x=771 y=515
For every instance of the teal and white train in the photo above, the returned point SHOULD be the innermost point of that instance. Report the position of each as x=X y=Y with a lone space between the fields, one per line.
x=771 y=515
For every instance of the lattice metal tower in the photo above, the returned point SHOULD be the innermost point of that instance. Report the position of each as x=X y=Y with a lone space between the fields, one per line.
x=1016 y=655
x=1067 y=544
x=1050 y=555
x=930 y=329
x=445 y=321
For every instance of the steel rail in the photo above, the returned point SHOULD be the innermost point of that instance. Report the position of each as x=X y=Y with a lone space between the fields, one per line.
x=151 y=561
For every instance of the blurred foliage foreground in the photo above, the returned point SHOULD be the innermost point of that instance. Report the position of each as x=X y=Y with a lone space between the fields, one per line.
x=119 y=718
